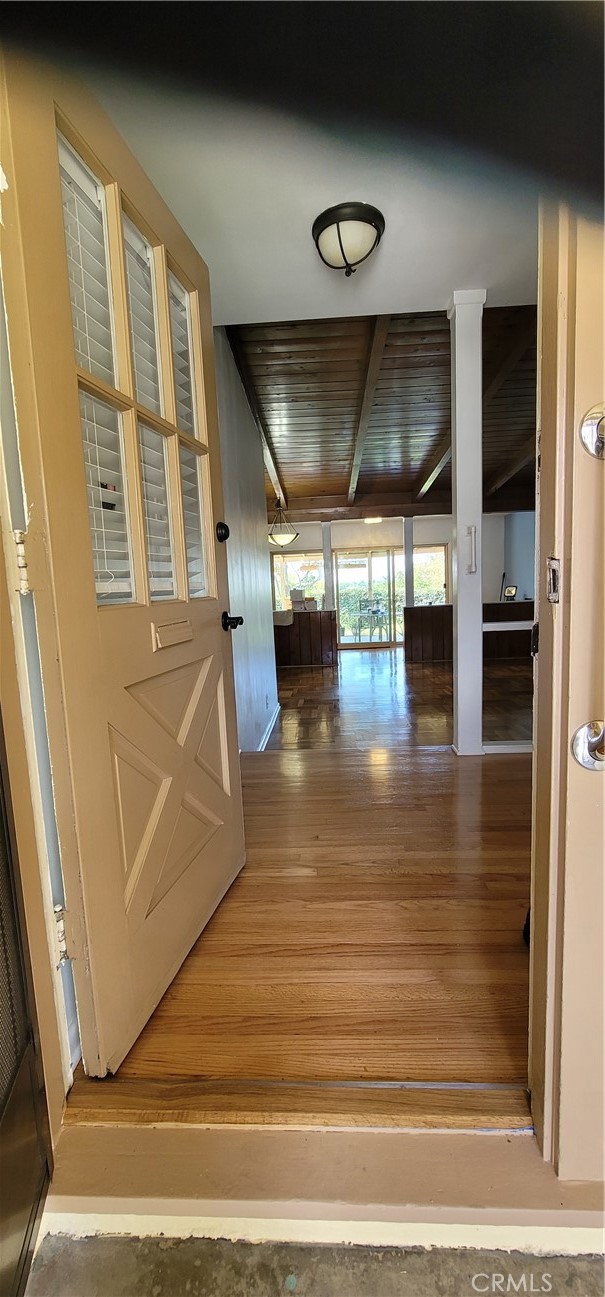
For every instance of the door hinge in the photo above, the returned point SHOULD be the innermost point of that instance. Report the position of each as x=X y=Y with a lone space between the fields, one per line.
x=19 y=539
x=63 y=955
x=553 y=579
x=535 y=639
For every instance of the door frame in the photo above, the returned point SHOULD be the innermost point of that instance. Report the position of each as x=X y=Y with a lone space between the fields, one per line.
x=557 y=243
x=571 y=340
x=28 y=1084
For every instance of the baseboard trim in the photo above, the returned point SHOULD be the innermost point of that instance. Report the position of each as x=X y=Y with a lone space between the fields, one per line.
x=497 y=749
x=267 y=734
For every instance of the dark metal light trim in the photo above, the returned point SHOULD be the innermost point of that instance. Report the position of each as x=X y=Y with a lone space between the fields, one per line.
x=363 y=212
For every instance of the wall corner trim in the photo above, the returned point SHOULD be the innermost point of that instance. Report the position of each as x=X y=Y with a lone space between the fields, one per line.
x=267 y=734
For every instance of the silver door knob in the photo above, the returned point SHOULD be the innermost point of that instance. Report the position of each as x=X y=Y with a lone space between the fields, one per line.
x=592 y=432
x=588 y=745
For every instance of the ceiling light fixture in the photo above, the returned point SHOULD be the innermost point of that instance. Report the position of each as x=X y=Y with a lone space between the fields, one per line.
x=281 y=532
x=369 y=520
x=347 y=234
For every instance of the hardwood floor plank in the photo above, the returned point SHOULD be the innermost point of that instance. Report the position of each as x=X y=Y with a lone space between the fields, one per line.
x=337 y=968
x=155 y=1102
x=373 y=697
x=374 y=936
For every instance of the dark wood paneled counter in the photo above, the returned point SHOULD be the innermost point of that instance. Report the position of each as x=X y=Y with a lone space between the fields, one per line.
x=310 y=640
x=428 y=632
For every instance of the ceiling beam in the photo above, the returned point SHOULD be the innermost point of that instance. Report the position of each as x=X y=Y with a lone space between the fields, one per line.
x=257 y=415
x=507 y=358
x=433 y=467
x=524 y=456
x=385 y=504
x=371 y=500
x=396 y=504
x=379 y=337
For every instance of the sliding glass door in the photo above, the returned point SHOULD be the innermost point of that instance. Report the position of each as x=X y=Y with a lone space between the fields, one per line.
x=369 y=597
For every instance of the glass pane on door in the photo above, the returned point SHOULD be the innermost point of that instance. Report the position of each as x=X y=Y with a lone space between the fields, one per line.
x=398 y=594
x=107 y=508
x=156 y=504
x=192 y=517
x=364 y=597
x=180 y=326
x=87 y=264
x=353 y=591
x=380 y=606
x=141 y=302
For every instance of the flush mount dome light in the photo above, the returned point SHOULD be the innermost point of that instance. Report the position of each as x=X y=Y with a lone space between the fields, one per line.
x=347 y=234
x=281 y=532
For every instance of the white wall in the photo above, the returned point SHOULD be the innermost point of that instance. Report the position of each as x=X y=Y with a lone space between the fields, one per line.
x=519 y=552
x=430 y=530
x=357 y=534
x=437 y=530
x=493 y=555
x=309 y=540
x=247 y=553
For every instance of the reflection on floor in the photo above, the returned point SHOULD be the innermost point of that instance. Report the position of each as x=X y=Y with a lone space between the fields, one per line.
x=373 y=940
x=373 y=698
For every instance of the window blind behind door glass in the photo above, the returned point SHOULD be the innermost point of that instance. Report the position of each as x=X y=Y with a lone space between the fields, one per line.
x=192 y=515
x=87 y=264
x=181 y=354
x=142 y=317
x=104 y=464
x=157 y=513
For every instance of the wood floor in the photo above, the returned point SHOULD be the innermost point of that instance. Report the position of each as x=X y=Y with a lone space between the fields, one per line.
x=365 y=967
x=374 y=698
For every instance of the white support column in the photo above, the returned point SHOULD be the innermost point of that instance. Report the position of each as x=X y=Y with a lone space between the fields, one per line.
x=465 y=314
x=326 y=536
x=408 y=552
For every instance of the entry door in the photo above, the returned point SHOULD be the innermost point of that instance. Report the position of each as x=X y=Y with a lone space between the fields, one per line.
x=567 y=1011
x=111 y=339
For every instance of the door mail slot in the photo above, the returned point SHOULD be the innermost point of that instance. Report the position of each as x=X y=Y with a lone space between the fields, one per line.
x=171 y=632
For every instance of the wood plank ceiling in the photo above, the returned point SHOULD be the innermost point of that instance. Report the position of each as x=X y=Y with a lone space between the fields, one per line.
x=354 y=414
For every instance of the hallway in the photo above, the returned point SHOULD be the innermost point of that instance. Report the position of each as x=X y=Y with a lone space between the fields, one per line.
x=373 y=940
x=373 y=698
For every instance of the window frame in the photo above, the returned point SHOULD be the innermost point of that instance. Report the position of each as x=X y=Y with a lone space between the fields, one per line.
x=430 y=547
x=302 y=555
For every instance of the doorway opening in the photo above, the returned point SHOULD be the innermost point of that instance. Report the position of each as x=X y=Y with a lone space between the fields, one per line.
x=373 y=942
x=370 y=597
x=368 y=965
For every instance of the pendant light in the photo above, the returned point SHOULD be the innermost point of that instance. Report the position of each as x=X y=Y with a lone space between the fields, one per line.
x=347 y=234
x=281 y=532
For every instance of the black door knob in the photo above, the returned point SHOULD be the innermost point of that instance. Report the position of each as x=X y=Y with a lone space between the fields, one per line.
x=222 y=531
x=231 y=623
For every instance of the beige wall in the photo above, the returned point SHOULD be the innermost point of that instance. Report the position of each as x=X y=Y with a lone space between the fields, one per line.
x=247 y=554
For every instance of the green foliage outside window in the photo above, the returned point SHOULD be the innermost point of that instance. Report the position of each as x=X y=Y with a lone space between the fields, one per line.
x=429 y=576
